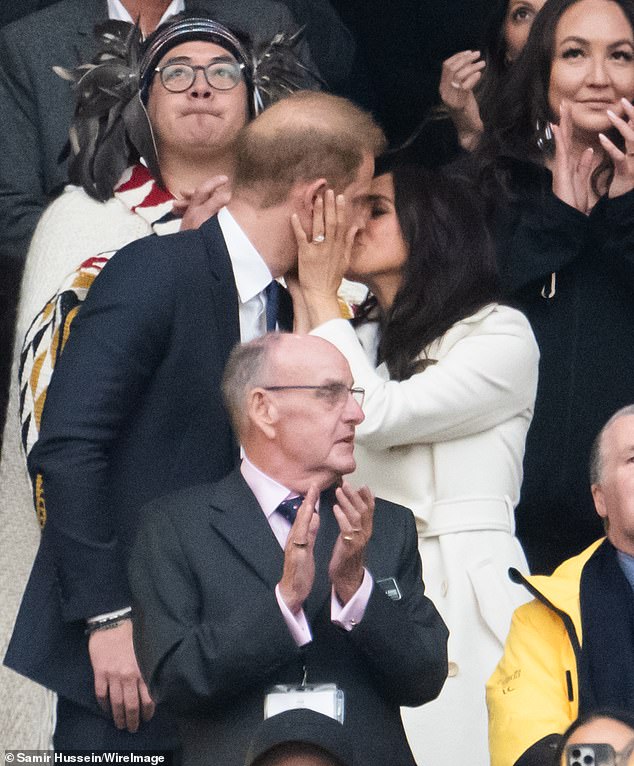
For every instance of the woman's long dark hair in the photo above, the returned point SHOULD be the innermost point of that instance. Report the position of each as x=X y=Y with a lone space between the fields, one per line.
x=622 y=716
x=494 y=52
x=450 y=272
x=521 y=107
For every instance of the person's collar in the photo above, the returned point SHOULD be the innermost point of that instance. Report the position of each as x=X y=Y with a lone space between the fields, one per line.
x=626 y=563
x=251 y=273
x=118 y=12
x=268 y=492
x=140 y=194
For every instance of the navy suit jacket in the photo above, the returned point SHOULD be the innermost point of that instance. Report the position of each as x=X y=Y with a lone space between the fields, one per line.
x=133 y=411
x=211 y=640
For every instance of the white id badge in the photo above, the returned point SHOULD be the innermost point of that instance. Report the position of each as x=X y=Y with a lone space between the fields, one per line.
x=322 y=698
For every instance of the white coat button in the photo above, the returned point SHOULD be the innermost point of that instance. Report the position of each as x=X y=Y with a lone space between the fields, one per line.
x=452 y=669
x=444 y=588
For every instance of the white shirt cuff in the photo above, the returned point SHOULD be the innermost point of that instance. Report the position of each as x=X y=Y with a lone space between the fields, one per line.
x=296 y=623
x=352 y=613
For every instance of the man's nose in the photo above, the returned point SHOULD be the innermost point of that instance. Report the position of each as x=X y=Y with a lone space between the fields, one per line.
x=200 y=88
x=353 y=411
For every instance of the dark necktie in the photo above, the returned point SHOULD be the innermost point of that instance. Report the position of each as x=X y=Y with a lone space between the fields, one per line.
x=272 y=291
x=289 y=507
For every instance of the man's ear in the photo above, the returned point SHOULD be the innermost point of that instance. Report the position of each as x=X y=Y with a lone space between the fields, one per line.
x=599 y=500
x=311 y=191
x=262 y=412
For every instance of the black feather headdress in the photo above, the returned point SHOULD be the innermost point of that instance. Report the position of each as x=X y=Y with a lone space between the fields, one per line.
x=278 y=72
x=111 y=129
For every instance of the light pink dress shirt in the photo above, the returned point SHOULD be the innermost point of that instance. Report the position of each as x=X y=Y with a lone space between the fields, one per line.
x=269 y=495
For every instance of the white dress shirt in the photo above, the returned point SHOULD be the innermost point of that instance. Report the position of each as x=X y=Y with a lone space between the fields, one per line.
x=118 y=12
x=251 y=275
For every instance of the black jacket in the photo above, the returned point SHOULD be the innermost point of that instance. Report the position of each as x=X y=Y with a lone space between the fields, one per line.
x=573 y=276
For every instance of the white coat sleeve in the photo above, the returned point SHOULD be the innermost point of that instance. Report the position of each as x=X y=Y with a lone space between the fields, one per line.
x=488 y=376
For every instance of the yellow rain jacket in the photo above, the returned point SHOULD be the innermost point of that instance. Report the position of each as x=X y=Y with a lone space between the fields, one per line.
x=533 y=692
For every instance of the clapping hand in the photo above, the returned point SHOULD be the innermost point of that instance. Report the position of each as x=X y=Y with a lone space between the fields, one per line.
x=571 y=175
x=298 y=575
x=623 y=180
x=354 y=512
x=460 y=74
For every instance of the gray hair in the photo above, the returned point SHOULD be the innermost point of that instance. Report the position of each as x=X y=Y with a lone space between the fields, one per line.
x=596 y=452
x=246 y=367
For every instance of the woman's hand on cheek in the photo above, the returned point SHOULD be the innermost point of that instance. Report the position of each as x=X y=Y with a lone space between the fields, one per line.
x=322 y=261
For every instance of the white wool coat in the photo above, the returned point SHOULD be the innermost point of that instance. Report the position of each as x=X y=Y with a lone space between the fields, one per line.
x=448 y=443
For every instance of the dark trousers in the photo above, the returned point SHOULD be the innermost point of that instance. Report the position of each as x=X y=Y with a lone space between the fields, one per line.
x=78 y=728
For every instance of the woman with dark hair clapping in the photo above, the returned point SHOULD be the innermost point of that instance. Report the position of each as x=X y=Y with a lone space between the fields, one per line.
x=557 y=160
x=471 y=80
x=450 y=377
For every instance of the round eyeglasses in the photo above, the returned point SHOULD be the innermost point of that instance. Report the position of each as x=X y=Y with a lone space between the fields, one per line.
x=220 y=75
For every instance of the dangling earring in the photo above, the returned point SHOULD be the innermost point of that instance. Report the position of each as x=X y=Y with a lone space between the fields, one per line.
x=544 y=135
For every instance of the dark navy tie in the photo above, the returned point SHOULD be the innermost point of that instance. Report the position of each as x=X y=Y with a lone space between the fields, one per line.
x=272 y=292
x=288 y=508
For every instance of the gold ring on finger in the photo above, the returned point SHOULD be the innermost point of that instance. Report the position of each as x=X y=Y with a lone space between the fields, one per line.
x=348 y=538
x=297 y=544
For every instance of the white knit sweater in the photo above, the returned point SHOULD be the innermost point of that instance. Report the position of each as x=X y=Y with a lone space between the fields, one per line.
x=73 y=228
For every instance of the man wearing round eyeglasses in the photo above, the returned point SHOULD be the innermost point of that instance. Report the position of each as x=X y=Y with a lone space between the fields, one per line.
x=284 y=574
x=197 y=100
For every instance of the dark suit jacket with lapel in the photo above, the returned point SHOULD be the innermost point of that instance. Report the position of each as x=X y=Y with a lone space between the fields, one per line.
x=211 y=640
x=133 y=411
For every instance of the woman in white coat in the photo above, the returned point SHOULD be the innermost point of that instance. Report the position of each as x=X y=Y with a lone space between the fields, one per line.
x=450 y=378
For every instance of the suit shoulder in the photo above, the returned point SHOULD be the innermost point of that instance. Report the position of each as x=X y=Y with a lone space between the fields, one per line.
x=156 y=256
x=57 y=21
x=179 y=506
x=180 y=248
x=387 y=506
x=392 y=516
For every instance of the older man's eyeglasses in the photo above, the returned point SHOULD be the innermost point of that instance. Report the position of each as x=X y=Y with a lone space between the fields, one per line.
x=333 y=394
x=220 y=75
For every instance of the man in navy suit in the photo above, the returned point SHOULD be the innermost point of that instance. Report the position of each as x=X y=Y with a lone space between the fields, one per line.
x=36 y=105
x=133 y=409
x=283 y=574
